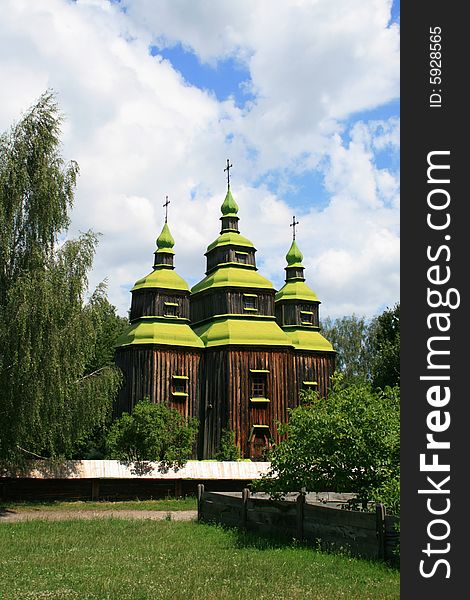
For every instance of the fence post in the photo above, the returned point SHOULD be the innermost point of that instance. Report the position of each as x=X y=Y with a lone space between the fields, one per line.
x=200 y=494
x=178 y=488
x=300 y=514
x=245 y=496
x=95 y=489
x=380 y=529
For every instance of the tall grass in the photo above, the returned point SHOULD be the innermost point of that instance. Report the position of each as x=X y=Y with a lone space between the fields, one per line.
x=139 y=560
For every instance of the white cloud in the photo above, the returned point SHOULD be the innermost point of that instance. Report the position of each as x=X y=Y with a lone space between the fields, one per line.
x=311 y=62
x=139 y=131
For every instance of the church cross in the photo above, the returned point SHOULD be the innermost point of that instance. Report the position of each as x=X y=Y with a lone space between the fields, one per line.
x=165 y=206
x=293 y=224
x=227 y=168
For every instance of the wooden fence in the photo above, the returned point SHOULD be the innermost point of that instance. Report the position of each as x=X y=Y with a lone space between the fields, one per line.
x=369 y=535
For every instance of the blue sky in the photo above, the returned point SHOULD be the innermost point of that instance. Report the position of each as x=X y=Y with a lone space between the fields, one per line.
x=230 y=78
x=301 y=96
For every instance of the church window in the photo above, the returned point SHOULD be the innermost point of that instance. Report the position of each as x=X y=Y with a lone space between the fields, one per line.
x=250 y=302
x=171 y=309
x=179 y=385
x=306 y=317
x=241 y=257
x=259 y=385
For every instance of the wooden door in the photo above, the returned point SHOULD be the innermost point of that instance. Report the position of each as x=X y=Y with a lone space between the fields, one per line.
x=259 y=446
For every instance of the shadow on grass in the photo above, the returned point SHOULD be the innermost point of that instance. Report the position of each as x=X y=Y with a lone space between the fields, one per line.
x=266 y=541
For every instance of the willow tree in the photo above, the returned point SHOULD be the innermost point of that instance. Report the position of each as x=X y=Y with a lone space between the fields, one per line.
x=49 y=395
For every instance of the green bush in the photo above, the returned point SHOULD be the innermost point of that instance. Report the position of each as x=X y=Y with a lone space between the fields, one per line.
x=152 y=432
x=388 y=493
x=348 y=442
x=228 y=450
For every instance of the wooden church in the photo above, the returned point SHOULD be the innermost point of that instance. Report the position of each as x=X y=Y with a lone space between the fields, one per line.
x=231 y=351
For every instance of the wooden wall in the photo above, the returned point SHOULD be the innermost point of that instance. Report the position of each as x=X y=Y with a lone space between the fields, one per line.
x=365 y=534
x=222 y=302
x=288 y=313
x=219 y=387
x=317 y=367
x=224 y=254
x=26 y=489
x=147 y=303
x=227 y=391
x=148 y=372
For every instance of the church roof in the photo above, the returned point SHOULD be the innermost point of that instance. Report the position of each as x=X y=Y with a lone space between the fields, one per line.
x=296 y=290
x=163 y=276
x=303 y=336
x=295 y=287
x=229 y=207
x=242 y=331
x=232 y=276
x=230 y=238
x=155 y=330
x=164 y=329
x=294 y=256
x=305 y=339
x=165 y=241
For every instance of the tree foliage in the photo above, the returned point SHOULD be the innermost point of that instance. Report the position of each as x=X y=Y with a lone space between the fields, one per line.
x=385 y=348
x=350 y=338
x=152 y=432
x=228 y=450
x=54 y=389
x=367 y=350
x=348 y=442
x=388 y=493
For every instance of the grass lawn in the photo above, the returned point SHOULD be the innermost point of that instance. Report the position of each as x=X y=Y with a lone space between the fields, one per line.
x=159 y=560
x=166 y=504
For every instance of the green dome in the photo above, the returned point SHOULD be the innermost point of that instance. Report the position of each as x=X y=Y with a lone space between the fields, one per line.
x=230 y=238
x=165 y=241
x=296 y=290
x=162 y=278
x=229 y=207
x=294 y=257
x=242 y=331
x=232 y=276
x=302 y=339
x=157 y=331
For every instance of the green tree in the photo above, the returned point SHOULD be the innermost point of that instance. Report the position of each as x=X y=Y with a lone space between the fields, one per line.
x=228 y=450
x=108 y=326
x=152 y=432
x=388 y=493
x=348 y=442
x=50 y=397
x=384 y=345
x=350 y=338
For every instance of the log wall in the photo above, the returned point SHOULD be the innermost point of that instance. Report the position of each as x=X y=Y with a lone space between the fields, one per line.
x=148 y=371
x=225 y=254
x=219 y=388
x=222 y=302
x=288 y=313
x=317 y=367
x=227 y=392
x=147 y=303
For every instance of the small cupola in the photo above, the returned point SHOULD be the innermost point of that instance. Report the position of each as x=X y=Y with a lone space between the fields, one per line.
x=295 y=268
x=229 y=207
x=164 y=253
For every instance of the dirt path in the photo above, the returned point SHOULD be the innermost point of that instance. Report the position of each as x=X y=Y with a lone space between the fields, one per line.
x=11 y=516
